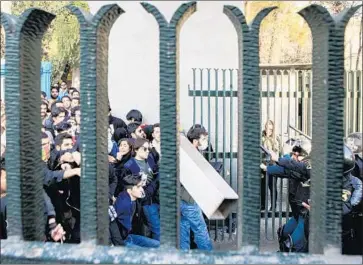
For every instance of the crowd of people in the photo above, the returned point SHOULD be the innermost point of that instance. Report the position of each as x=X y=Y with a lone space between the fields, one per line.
x=293 y=162
x=134 y=156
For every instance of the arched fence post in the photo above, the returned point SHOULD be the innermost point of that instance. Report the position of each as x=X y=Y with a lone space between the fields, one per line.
x=169 y=33
x=25 y=210
x=94 y=31
x=249 y=131
x=328 y=125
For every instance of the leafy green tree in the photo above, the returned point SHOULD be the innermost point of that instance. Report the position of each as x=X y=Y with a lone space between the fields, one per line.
x=61 y=43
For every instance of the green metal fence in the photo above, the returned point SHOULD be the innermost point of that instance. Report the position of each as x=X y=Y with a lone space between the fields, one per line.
x=24 y=177
x=286 y=92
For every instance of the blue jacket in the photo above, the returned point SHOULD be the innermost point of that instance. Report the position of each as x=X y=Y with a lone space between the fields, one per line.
x=153 y=168
x=125 y=208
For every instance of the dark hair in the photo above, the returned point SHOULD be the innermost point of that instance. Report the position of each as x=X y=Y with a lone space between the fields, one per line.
x=44 y=103
x=74 y=90
x=139 y=142
x=56 y=111
x=44 y=135
x=195 y=132
x=54 y=87
x=131 y=180
x=74 y=109
x=63 y=126
x=131 y=128
x=61 y=137
x=44 y=94
x=156 y=125
x=66 y=97
x=134 y=114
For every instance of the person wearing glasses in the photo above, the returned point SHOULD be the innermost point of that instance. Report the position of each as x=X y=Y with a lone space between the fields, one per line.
x=145 y=165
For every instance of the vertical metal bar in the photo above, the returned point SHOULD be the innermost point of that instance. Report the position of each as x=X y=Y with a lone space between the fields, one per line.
x=169 y=117
x=273 y=200
x=194 y=97
x=231 y=122
x=209 y=112
x=282 y=100
x=287 y=210
x=310 y=103
x=224 y=130
x=354 y=99
x=216 y=88
x=297 y=91
x=201 y=96
x=266 y=175
x=303 y=103
x=360 y=98
x=346 y=123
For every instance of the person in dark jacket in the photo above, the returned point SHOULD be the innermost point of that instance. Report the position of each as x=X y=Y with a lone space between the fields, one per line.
x=354 y=142
x=134 y=116
x=125 y=154
x=56 y=182
x=53 y=231
x=143 y=164
x=115 y=122
x=297 y=170
x=125 y=208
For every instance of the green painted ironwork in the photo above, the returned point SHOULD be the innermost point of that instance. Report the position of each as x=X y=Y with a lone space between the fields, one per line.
x=22 y=88
x=94 y=31
x=328 y=101
x=249 y=125
x=169 y=119
x=25 y=211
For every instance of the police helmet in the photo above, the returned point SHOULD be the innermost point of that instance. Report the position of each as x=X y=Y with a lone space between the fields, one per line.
x=349 y=159
x=354 y=142
x=301 y=146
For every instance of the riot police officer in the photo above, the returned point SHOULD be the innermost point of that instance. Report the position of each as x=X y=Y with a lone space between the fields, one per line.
x=352 y=205
x=354 y=142
x=296 y=167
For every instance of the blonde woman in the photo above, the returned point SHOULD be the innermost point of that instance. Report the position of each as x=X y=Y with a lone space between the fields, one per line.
x=271 y=142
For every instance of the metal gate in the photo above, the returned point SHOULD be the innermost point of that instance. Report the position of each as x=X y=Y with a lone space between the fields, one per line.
x=24 y=181
x=285 y=96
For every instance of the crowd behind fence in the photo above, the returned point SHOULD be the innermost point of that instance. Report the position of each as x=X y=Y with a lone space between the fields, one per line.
x=327 y=119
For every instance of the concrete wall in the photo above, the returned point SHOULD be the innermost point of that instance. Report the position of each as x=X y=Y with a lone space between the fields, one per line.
x=208 y=39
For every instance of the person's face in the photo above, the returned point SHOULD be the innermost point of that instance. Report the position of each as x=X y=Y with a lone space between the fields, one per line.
x=66 y=145
x=64 y=85
x=124 y=147
x=59 y=104
x=156 y=134
x=75 y=94
x=66 y=102
x=75 y=103
x=72 y=121
x=269 y=130
x=143 y=151
x=137 y=191
x=78 y=117
x=139 y=133
x=71 y=91
x=2 y=150
x=42 y=97
x=3 y=181
x=54 y=93
x=59 y=118
x=203 y=142
x=43 y=110
x=45 y=149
